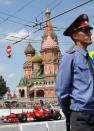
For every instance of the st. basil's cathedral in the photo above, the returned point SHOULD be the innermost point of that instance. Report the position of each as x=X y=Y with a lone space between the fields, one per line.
x=40 y=71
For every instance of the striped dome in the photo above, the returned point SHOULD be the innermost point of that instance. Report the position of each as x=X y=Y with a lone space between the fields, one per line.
x=49 y=43
x=29 y=49
x=36 y=59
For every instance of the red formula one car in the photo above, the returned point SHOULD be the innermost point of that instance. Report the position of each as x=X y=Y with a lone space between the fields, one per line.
x=37 y=114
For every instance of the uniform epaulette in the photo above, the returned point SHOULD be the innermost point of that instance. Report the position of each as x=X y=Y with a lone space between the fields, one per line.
x=70 y=51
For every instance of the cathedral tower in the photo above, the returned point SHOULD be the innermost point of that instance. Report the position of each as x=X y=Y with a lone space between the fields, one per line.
x=40 y=70
x=49 y=49
x=29 y=52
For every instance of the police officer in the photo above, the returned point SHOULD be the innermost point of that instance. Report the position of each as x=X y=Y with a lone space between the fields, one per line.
x=75 y=77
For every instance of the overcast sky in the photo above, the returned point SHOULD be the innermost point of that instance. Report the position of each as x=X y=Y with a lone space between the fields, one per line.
x=16 y=14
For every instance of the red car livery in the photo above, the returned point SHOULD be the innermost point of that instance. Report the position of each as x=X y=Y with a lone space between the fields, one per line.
x=37 y=114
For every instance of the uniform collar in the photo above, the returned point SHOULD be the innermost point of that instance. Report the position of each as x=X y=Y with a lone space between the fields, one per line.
x=80 y=50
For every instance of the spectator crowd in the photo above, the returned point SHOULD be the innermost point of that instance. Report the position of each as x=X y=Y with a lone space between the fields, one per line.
x=27 y=105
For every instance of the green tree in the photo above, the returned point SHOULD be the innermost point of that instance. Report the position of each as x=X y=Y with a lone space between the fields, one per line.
x=3 y=88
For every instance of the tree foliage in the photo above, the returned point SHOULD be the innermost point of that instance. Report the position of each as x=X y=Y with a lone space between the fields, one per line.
x=3 y=88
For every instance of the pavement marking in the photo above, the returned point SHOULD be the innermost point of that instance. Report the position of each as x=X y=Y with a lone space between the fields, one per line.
x=5 y=126
x=47 y=126
x=20 y=126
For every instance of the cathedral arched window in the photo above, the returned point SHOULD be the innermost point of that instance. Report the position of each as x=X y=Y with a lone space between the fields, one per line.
x=40 y=93
x=22 y=93
x=40 y=83
x=49 y=82
x=36 y=83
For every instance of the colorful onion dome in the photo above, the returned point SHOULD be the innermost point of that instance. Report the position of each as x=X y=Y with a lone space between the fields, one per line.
x=36 y=59
x=30 y=49
x=24 y=82
x=49 y=43
x=48 y=11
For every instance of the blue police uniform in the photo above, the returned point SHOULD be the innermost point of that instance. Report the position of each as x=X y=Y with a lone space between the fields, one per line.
x=75 y=79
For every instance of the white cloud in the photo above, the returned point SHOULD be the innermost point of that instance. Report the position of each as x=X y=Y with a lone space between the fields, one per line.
x=12 y=75
x=5 y=1
x=14 y=37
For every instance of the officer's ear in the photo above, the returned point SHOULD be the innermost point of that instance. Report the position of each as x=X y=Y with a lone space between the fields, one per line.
x=75 y=36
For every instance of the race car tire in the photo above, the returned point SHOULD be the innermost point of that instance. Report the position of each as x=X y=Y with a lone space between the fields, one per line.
x=37 y=118
x=22 y=118
x=57 y=116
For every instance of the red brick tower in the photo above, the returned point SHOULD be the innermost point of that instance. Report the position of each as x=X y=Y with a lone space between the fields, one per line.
x=29 y=52
x=49 y=50
x=9 y=96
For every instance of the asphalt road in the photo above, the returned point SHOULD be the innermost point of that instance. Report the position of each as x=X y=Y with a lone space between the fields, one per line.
x=50 y=125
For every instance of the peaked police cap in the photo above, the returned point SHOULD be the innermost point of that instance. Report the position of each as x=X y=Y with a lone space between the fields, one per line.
x=80 y=23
